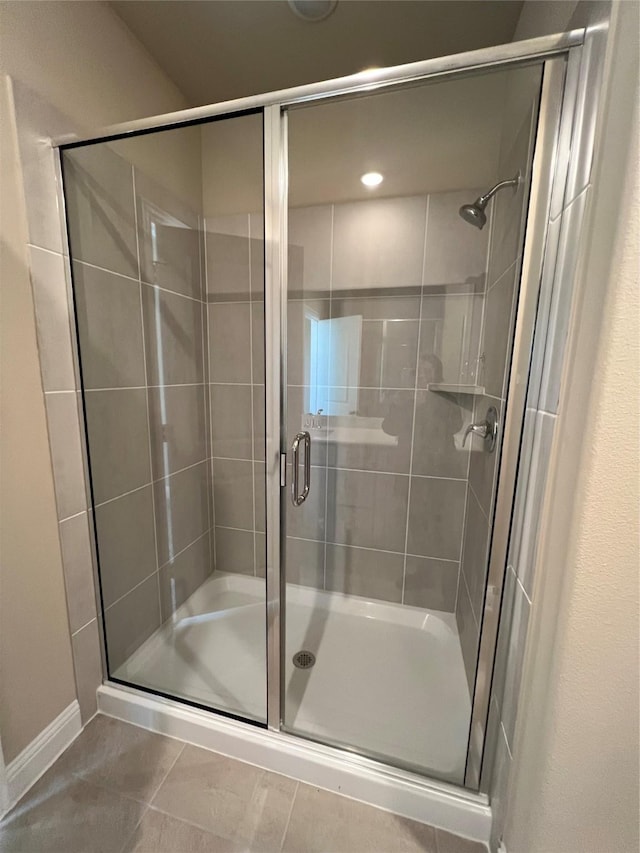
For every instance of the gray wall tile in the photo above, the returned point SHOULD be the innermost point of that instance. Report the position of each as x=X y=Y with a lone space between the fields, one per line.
x=66 y=453
x=257 y=343
x=118 y=441
x=379 y=243
x=438 y=418
x=229 y=343
x=388 y=353
x=228 y=263
x=78 y=571
x=561 y=302
x=367 y=509
x=474 y=553
x=233 y=493
x=450 y=327
x=259 y=424
x=181 y=577
x=87 y=665
x=110 y=328
x=468 y=633
x=482 y=464
x=456 y=253
x=524 y=558
x=234 y=551
x=260 y=495
x=395 y=409
x=182 y=510
x=308 y=520
x=260 y=548
x=436 y=515
x=173 y=329
x=305 y=562
x=509 y=205
x=515 y=659
x=126 y=543
x=49 y=283
x=100 y=208
x=177 y=428
x=132 y=620
x=431 y=583
x=309 y=249
x=231 y=421
x=356 y=571
x=498 y=321
x=169 y=238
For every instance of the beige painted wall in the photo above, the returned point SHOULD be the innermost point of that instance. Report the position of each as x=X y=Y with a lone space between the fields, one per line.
x=81 y=58
x=574 y=783
x=36 y=673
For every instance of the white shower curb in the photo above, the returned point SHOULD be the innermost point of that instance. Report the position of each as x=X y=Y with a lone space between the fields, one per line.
x=406 y=794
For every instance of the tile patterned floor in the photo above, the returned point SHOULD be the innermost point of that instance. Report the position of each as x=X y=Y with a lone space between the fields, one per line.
x=120 y=789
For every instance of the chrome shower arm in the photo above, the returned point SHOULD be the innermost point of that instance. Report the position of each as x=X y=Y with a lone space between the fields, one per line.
x=511 y=182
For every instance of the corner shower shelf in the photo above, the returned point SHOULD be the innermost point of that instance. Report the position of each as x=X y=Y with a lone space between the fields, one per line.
x=450 y=388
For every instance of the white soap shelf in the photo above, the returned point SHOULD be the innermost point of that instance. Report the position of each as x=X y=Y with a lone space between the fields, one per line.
x=451 y=388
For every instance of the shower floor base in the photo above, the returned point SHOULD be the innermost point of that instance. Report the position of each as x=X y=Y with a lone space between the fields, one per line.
x=387 y=680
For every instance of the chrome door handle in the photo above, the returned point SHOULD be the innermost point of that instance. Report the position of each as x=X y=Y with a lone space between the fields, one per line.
x=487 y=429
x=298 y=497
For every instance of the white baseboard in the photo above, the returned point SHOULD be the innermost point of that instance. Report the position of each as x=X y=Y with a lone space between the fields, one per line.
x=27 y=767
x=440 y=805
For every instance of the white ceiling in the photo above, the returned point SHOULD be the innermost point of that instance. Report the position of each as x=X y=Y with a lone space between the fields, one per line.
x=427 y=138
x=225 y=49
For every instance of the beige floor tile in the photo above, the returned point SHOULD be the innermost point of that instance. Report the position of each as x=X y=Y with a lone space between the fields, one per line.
x=69 y=816
x=121 y=757
x=229 y=798
x=160 y=833
x=322 y=821
x=448 y=843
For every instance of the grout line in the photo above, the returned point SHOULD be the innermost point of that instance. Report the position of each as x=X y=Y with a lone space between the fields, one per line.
x=82 y=627
x=253 y=435
x=123 y=495
x=288 y=821
x=520 y=584
x=133 y=588
x=75 y=515
x=150 y=483
x=172 y=292
x=48 y=251
x=210 y=447
x=464 y=527
x=506 y=739
x=113 y=272
x=140 y=387
x=473 y=615
x=146 y=379
x=182 y=550
x=415 y=399
x=478 y=501
x=206 y=394
x=127 y=844
x=326 y=455
x=61 y=391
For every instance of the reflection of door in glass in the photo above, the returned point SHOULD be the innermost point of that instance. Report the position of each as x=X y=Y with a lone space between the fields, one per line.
x=399 y=328
x=167 y=248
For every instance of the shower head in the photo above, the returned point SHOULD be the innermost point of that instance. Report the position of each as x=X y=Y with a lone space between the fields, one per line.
x=474 y=213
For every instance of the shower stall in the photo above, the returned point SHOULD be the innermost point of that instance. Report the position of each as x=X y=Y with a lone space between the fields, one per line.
x=304 y=395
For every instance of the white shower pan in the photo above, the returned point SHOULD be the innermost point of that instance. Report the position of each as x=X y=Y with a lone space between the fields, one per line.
x=388 y=678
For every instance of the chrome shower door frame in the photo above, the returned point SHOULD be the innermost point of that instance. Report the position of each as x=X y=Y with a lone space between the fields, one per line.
x=561 y=57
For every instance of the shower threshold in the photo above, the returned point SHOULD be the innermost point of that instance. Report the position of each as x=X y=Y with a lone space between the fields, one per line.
x=388 y=680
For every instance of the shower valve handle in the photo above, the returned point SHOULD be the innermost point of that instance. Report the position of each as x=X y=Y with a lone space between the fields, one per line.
x=487 y=429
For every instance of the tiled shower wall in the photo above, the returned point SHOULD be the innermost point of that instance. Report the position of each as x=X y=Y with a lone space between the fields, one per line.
x=386 y=520
x=137 y=271
x=503 y=281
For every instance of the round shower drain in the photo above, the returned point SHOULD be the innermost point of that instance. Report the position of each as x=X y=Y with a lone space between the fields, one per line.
x=304 y=659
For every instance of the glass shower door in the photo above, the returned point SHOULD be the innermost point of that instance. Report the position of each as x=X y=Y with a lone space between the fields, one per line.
x=399 y=326
x=167 y=247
